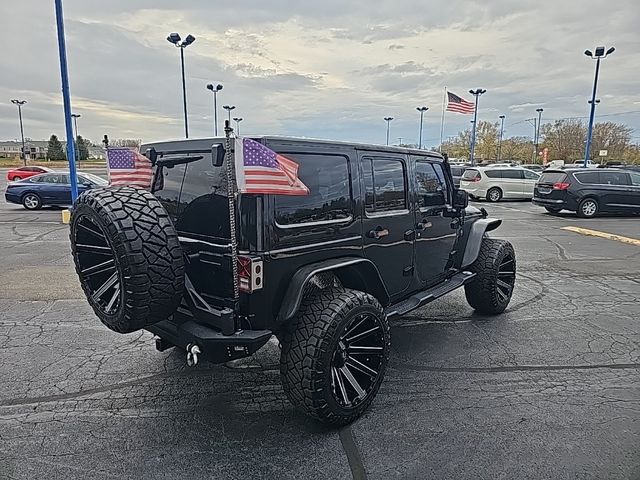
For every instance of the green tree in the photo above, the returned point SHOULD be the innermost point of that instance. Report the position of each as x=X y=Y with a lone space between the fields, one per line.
x=55 y=151
x=83 y=150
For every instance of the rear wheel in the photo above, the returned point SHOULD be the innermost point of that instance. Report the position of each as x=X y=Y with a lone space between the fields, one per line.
x=494 y=194
x=334 y=354
x=31 y=201
x=588 y=208
x=552 y=209
x=128 y=257
x=495 y=268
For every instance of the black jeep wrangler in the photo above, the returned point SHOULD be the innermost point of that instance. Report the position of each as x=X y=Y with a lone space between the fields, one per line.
x=383 y=231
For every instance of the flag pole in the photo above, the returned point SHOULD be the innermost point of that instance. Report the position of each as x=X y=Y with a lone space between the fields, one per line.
x=444 y=101
x=232 y=192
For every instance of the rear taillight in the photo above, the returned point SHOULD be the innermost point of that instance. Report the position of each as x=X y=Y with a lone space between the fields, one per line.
x=561 y=186
x=249 y=273
x=475 y=179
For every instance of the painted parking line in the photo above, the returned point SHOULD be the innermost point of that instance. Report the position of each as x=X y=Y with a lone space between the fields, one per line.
x=608 y=236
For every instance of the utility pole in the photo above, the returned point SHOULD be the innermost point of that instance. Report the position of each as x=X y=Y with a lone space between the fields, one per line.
x=19 y=104
x=539 y=110
x=476 y=93
x=501 y=117
x=388 y=120
x=421 y=110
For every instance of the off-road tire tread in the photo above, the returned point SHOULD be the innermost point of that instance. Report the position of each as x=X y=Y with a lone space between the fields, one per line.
x=481 y=291
x=304 y=343
x=147 y=253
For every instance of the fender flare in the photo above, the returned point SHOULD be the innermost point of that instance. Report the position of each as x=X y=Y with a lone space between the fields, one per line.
x=353 y=272
x=476 y=234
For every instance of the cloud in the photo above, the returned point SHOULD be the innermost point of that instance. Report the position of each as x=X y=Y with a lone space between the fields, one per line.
x=330 y=69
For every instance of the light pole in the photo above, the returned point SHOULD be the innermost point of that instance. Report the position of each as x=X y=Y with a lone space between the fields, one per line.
x=182 y=44
x=599 y=54
x=228 y=108
x=388 y=120
x=20 y=103
x=421 y=110
x=501 y=117
x=237 y=120
x=75 y=117
x=215 y=90
x=476 y=93
x=539 y=110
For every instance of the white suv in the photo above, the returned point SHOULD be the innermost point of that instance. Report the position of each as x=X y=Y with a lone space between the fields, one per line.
x=495 y=183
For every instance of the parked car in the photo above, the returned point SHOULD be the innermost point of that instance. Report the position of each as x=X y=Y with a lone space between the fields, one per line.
x=589 y=192
x=494 y=183
x=533 y=167
x=456 y=173
x=25 y=172
x=49 y=189
x=379 y=232
x=501 y=165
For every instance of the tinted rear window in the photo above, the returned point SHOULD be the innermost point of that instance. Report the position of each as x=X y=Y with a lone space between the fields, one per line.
x=588 y=178
x=470 y=174
x=327 y=178
x=614 y=178
x=552 y=177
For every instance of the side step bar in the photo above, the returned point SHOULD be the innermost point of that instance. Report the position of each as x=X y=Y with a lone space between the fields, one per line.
x=429 y=295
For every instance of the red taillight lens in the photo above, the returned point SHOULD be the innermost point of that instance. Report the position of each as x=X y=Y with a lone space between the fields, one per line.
x=249 y=273
x=561 y=186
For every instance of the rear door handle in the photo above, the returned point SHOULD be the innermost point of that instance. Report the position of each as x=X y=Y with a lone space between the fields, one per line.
x=378 y=233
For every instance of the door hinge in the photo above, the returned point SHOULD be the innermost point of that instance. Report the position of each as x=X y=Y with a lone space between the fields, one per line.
x=407 y=271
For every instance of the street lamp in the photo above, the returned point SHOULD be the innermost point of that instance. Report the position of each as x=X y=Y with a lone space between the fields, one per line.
x=20 y=103
x=599 y=54
x=215 y=89
x=476 y=93
x=421 y=110
x=228 y=108
x=539 y=110
x=75 y=117
x=237 y=120
x=388 y=120
x=501 y=117
x=182 y=44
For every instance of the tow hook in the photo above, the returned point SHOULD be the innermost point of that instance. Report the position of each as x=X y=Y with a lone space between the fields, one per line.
x=193 y=351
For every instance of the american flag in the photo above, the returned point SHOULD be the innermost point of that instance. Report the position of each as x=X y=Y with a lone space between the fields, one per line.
x=459 y=105
x=128 y=167
x=261 y=170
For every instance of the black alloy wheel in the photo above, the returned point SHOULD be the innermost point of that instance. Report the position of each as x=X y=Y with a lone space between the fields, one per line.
x=97 y=266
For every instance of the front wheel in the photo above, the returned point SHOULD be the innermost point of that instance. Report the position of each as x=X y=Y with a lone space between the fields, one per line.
x=588 y=208
x=334 y=355
x=495 y=268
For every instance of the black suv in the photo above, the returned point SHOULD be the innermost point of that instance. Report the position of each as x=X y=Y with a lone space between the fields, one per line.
x=382 y=232
x=589 y=191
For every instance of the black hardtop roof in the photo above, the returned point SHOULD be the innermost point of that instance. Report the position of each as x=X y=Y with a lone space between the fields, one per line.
x=206 y=142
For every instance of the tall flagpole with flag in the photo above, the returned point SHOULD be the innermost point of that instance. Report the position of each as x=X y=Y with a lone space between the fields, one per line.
x=444 y=106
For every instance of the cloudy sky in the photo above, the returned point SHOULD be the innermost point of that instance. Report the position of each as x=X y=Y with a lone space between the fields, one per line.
x=330 y=69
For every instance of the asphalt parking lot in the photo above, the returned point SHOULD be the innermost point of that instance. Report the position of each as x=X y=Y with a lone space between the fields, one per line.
x=549 y=389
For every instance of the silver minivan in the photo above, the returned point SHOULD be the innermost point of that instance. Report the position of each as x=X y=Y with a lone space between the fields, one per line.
x=496 y=183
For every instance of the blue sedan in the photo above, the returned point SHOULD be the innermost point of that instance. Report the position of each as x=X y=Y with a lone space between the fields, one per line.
x=49 y=189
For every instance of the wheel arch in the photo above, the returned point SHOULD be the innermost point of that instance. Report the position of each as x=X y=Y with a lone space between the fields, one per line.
x=352 y=272
x=476 y=234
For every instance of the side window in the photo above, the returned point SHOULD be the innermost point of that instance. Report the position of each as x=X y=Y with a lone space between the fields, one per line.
x=327 y=177
x=63 y=179
x=635 y=178
x=588 y=178
x=493 y=173
x=530 y=175
x=384 y=185
x=512 y=173
x=430 y=188
x=614 y=178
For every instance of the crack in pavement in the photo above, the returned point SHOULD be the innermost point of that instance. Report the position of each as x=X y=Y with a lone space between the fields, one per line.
x=517 y=368
x=353 y=454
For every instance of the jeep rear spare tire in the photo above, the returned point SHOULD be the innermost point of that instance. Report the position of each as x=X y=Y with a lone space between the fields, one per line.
x=127 y=256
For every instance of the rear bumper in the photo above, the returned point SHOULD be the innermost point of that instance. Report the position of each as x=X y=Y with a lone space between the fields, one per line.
x=471 y=189
x=12 y=198
x=182 y=330
x=547 y=202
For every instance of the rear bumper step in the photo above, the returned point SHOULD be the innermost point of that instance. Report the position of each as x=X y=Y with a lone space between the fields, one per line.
x=214 y=345
x=430 y=294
